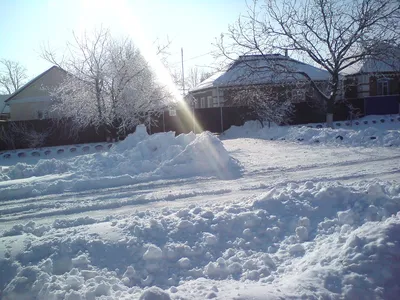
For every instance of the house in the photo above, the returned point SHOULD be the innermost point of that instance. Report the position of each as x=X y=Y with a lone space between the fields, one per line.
x=374 y=88
x=280 y=74
x=4 y=109
x=204 y=95
x=32 y=101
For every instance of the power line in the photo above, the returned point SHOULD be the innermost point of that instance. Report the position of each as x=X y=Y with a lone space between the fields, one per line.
x=175 y=63
x=199 y=56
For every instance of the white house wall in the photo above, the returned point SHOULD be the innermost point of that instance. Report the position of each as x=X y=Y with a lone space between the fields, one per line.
x=34 y=100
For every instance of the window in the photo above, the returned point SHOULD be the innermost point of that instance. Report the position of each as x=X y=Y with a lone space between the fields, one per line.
x=202 y=102
x=210 y=101
x=215 y=102
x=383 y=87
x=172 y=112
x=39 y=114
x=364 y=79
x=195 y=102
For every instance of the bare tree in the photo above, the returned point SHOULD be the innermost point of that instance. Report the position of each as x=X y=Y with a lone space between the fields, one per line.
x=193 y=77
x=332 y=34
x=12 y=76
x=108 y=83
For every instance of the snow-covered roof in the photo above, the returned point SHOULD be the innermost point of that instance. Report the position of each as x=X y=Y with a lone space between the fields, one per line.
x=263 y=69
x=3 y=107
x=388 y=62
x=374 y=66
x=273 y=68
x=207 y=83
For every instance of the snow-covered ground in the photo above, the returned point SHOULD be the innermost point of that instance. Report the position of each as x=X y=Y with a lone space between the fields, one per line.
x=193 y=217
x=368 y=131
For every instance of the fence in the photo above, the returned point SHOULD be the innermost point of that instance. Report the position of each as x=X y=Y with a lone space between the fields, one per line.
x=382 y=105
x=211 y=119
x=217 y=120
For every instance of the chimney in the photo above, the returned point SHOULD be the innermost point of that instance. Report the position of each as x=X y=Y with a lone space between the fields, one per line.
x=286 y=52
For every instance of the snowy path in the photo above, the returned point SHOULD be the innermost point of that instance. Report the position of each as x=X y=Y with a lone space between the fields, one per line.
x=265 y=164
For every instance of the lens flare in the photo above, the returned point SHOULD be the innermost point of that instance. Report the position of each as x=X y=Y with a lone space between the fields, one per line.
x=119 y=17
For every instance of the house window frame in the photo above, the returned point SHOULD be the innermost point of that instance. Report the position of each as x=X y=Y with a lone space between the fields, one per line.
x=383 y=85
x=215 y=102
x=196 y=102
x=210 y=101
x=40 y=114
x=202 y=102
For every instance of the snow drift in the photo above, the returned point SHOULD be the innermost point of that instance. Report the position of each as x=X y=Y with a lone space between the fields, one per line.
x=140 y=157
x=309 y=241
x=380 y=134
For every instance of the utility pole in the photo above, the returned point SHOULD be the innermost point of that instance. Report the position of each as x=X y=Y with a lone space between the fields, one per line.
x=183 y=75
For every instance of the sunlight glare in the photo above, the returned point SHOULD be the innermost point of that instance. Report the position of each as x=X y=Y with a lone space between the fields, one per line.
x=120 y=18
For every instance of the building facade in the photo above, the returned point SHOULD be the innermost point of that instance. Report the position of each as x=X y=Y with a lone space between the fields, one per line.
x=33 y=100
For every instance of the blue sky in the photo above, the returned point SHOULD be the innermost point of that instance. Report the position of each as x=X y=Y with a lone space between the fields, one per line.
x=25 y=25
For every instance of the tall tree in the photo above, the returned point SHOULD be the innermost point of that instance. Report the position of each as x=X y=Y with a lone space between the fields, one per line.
x=332 y=34
x=12 y=76
x=108 y=83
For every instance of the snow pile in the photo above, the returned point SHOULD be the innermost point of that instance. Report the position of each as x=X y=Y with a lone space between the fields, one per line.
x=364 y=136
x=307 y=241
x=141 y=157
x=41 y=168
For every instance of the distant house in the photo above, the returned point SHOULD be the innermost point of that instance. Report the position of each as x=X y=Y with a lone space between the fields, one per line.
x=32 y=101
x=374 y=88
x=273 y=71
x=4 y=109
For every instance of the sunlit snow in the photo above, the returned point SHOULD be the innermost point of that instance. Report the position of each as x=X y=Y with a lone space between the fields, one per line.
x=198 y=217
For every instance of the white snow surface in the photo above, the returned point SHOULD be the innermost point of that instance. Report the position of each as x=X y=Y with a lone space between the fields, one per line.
x=379 y=131
x=139 y=158
x=242 y=218
x=351 y=249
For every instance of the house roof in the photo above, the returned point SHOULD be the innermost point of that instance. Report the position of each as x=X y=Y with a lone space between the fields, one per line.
x=376 y=66
x=3 y=107
x=207 y=83
x=387 y=62
x=263 y=69
x=29 y=83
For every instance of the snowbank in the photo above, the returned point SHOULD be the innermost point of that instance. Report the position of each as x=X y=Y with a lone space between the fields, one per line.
x=307 y=241
x=370 y=134
x=141 y=157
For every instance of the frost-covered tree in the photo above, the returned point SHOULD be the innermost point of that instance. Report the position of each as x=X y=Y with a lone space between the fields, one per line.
x=16 y=133
x=267 y=104
x=108 y=83
x=12 y=76
x=332 y=34
x=193 y=77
